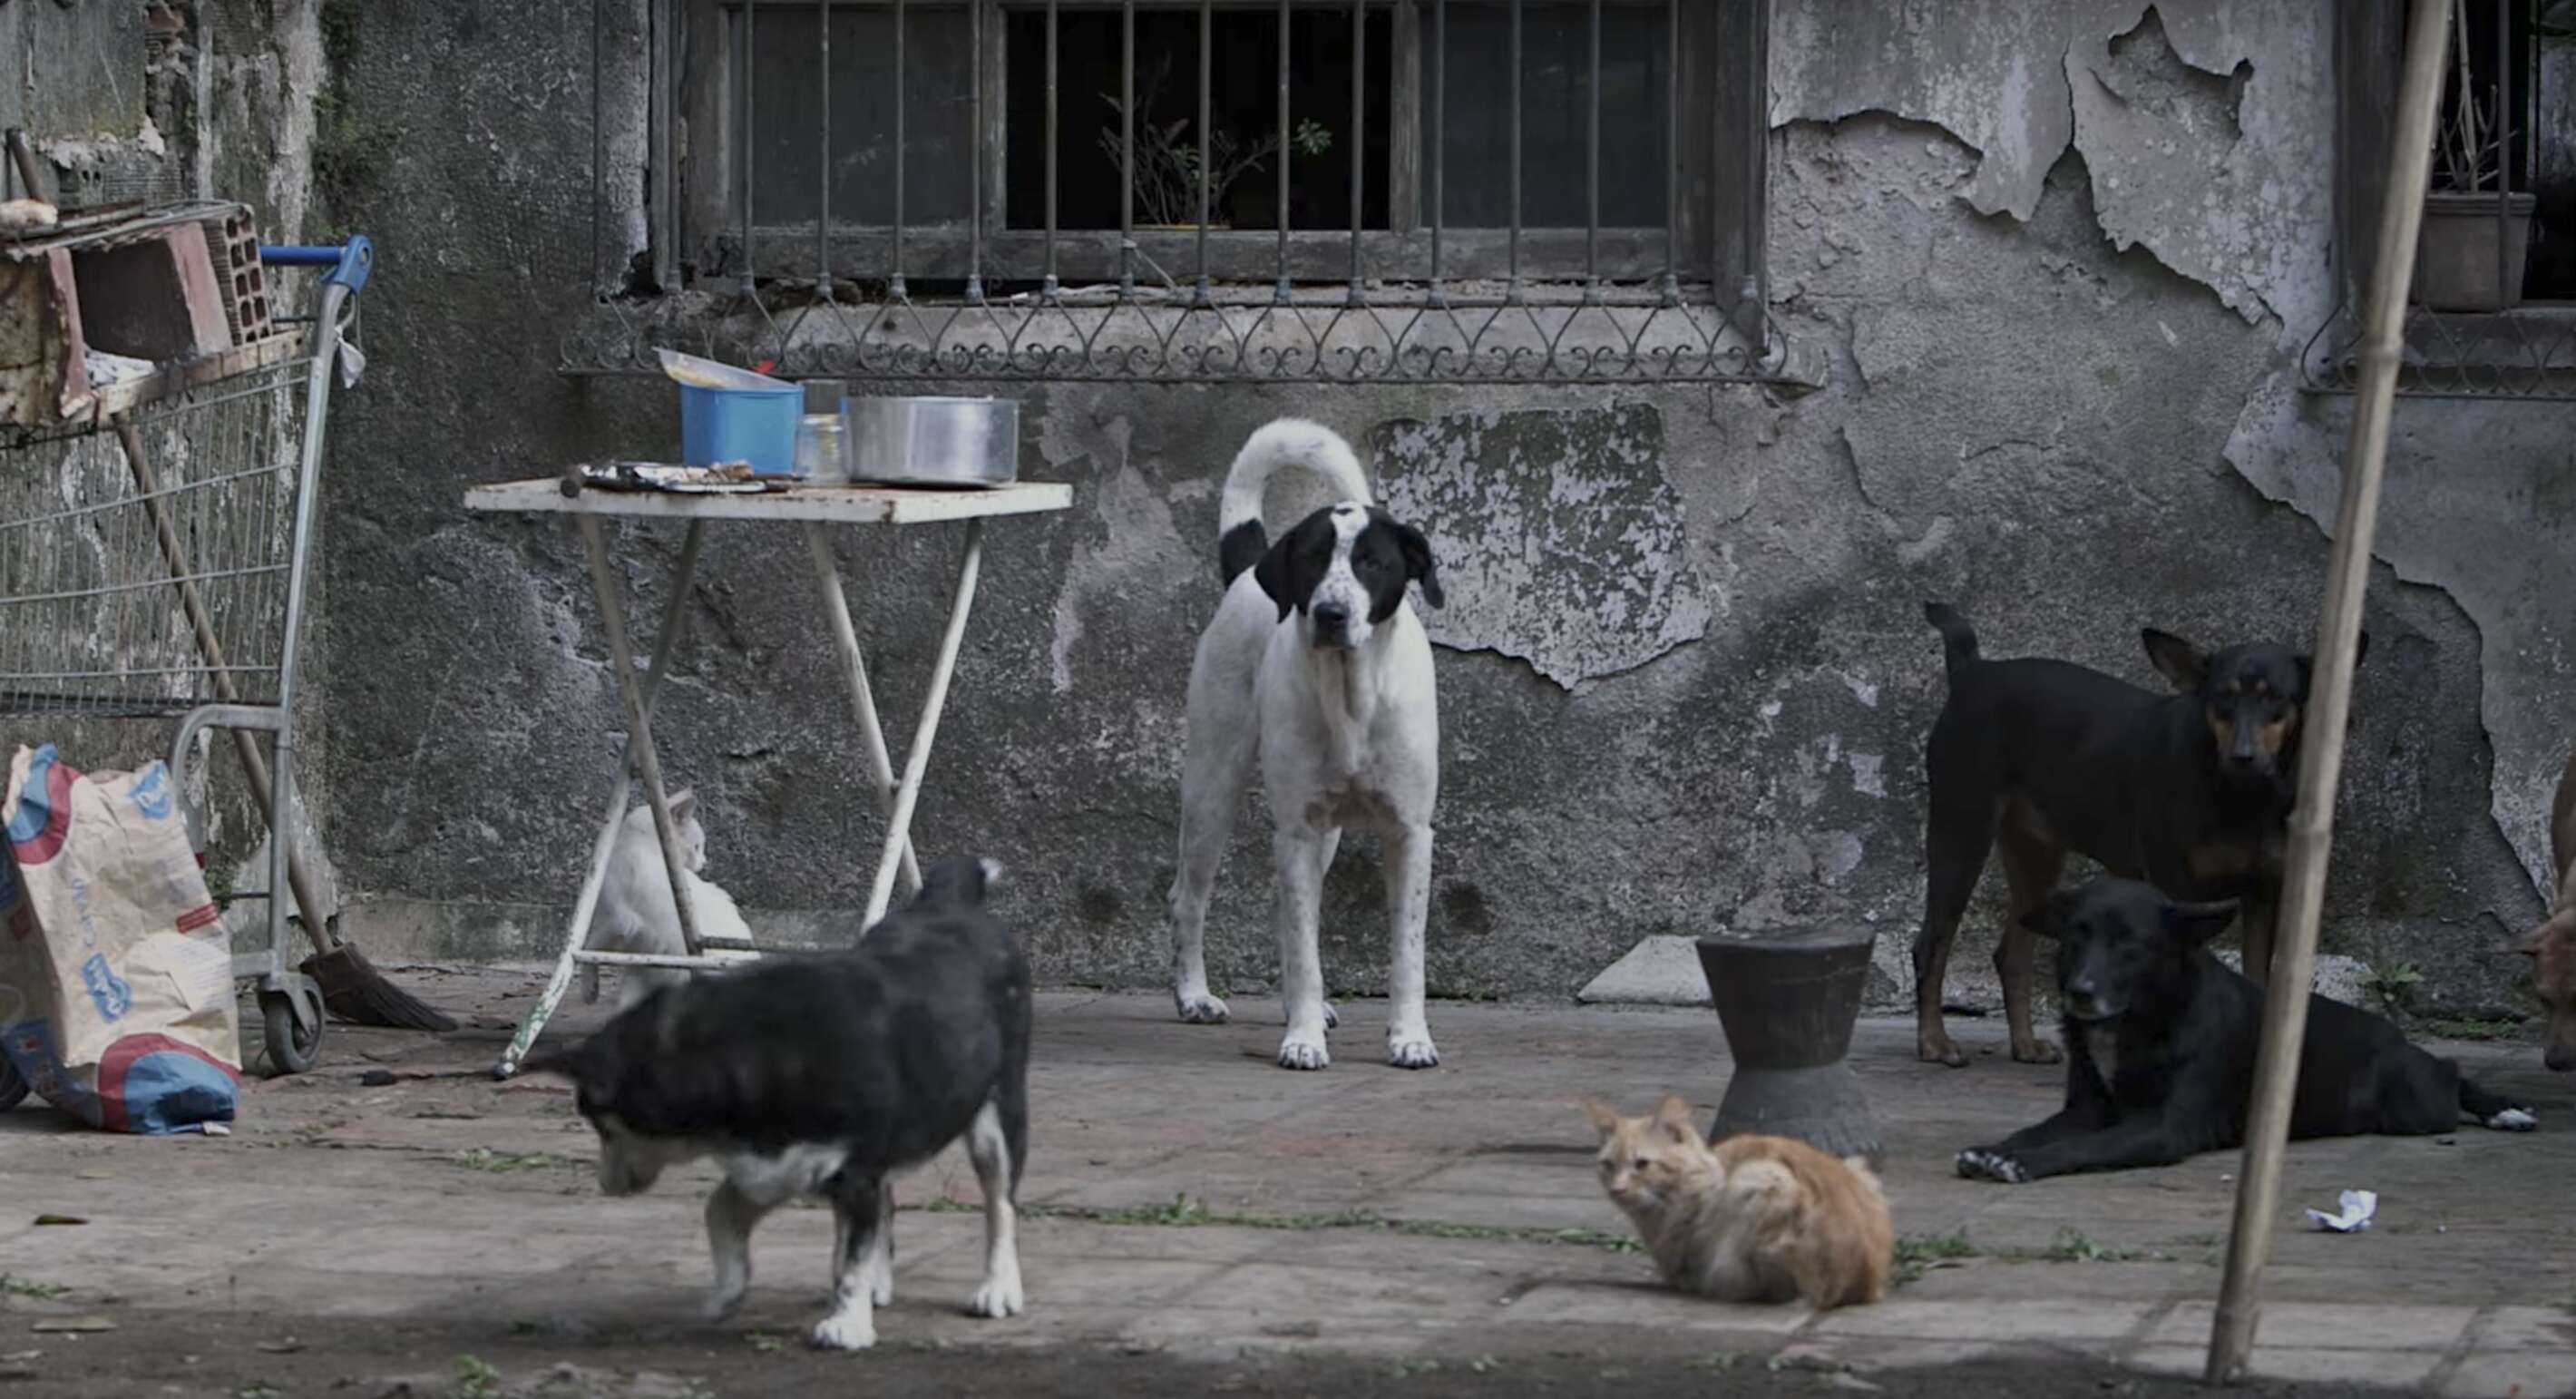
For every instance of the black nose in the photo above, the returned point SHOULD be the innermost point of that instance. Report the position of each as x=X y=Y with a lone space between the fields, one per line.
x=1332 y=616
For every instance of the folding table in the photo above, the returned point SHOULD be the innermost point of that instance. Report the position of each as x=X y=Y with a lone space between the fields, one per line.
x=816 y=508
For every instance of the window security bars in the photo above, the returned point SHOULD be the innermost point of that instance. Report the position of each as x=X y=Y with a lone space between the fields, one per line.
x=1425 y=191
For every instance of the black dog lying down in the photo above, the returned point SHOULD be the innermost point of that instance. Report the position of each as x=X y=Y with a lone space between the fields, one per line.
x=2160 y=1043
x=824 y=1075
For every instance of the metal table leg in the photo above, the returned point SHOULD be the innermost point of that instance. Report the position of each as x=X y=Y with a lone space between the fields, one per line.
x=674 y=624
x=854 y=674
x=899 y=824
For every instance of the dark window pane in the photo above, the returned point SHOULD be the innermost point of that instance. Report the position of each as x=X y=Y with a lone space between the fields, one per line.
x=938 y=168
x=1243 y=103
x=1555 y=93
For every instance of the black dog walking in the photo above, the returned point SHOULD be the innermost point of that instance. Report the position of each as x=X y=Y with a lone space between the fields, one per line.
x=2190 y=792
x=2161 y=1039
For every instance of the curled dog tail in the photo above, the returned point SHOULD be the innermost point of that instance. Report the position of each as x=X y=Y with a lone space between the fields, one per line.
x=1240 y=540
x=1958 y=639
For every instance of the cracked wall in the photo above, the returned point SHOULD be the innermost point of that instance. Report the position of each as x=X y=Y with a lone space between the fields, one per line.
x=2053 y=252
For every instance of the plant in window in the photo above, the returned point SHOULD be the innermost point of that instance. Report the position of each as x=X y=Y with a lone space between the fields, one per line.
x=1166 y=176
x=2471 y=250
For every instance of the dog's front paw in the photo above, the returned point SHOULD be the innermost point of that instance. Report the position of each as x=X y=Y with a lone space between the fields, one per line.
x=1199 y=1008
x=1412 y=1051
x=1985 y=1163
x=1298 y=1052
x=1000 y=1296
x=724 y=1299
x=847 y=1330
x=1936 y=1048
x=2513 y=1120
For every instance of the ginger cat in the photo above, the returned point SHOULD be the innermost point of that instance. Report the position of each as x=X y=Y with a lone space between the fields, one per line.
x=1753 y=1219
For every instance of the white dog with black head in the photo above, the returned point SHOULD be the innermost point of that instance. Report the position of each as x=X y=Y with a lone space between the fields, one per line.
x=1315 y=664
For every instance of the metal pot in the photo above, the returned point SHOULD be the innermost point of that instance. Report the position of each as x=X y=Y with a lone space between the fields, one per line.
x=933 y=441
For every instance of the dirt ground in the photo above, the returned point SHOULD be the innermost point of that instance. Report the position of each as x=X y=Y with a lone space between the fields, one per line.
x=1199 y=1221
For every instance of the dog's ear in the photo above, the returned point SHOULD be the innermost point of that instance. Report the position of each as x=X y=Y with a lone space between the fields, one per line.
x=2308 y=664
x=1418 y=563
x=1605 y=1118
x=2196 y=924
x=960 y=880
x=2176 y=660
x=1277 y=572
x=2048 y=917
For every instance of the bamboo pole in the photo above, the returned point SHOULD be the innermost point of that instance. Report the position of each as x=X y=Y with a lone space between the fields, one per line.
x=2285 y=1007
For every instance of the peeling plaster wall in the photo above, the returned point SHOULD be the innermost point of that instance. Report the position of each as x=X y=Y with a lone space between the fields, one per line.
x=2057 y=254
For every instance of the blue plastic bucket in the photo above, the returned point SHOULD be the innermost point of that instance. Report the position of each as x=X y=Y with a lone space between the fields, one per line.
x=747 y=425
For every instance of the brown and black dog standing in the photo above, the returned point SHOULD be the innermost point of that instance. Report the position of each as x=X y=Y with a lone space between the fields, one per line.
x=2552 y=945
x=2189 y=792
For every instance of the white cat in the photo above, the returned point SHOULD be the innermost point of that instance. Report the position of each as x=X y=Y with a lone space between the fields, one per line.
x=635 y=912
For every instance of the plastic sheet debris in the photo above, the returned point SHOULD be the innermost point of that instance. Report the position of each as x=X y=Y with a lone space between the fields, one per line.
x=2358 y=1207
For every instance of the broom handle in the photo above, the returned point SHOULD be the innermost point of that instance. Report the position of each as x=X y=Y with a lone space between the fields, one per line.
x=245 y=747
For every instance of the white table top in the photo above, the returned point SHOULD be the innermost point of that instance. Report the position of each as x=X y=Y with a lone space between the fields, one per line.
x=839 y=505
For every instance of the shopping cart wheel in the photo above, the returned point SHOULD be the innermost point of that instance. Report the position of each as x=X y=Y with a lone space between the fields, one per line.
x=291 y=1048
x=13 y=1085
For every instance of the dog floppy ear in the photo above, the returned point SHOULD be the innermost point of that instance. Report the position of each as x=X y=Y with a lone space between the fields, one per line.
x=2195 y=924
x=1277 y=573
x=2175 y=659
x=1418 y=563
x=2308 y=664
x=2048 y=918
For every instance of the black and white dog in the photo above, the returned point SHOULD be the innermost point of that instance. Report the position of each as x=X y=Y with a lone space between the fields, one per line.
x=825 y=1075
x=1316 y=664
x=2160 y=1046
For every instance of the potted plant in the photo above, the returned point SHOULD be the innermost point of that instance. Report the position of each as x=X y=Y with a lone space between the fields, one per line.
x=1167 y=161
x=2457 y=248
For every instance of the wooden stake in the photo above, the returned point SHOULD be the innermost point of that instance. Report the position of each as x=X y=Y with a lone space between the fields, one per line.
x=2285 y=1007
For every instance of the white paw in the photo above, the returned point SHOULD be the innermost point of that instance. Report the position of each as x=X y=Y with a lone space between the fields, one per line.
x=1200 y=1009
x=1332 y=1017
x=1000 y=1296
x=1301 y=1052
x=850 y=1330
x=724 y=1299
x=1978 y=1164
x=2513 y=1120
x=1413 y=1051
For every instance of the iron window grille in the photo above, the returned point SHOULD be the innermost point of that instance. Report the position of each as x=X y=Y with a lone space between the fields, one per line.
x=1423 y=191
x=2527 y=351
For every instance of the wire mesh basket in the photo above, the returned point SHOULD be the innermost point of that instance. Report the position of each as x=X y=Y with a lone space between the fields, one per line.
x=105 y=540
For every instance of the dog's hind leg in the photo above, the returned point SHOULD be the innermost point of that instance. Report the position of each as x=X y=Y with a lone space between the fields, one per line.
x=859 y=1203
x=1216 y=768
x=1302 y=854
x=2032 y=861
x=731 y=1216
x=2493 y=1111
x=988 y=1145
x=1955 y=845
x=1406 y=854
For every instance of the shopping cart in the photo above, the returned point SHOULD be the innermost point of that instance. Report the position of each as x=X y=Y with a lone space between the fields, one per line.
x=162 y=575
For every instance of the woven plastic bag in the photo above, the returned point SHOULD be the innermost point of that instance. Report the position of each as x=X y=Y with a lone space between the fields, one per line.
x=116 y=989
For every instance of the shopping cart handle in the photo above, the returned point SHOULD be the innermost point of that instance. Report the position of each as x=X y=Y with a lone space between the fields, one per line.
x=349 y=263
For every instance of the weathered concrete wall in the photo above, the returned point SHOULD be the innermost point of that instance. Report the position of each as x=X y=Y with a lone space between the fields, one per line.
x=2058 y=255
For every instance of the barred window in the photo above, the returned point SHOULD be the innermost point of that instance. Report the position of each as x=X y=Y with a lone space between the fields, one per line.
x=996 y=142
